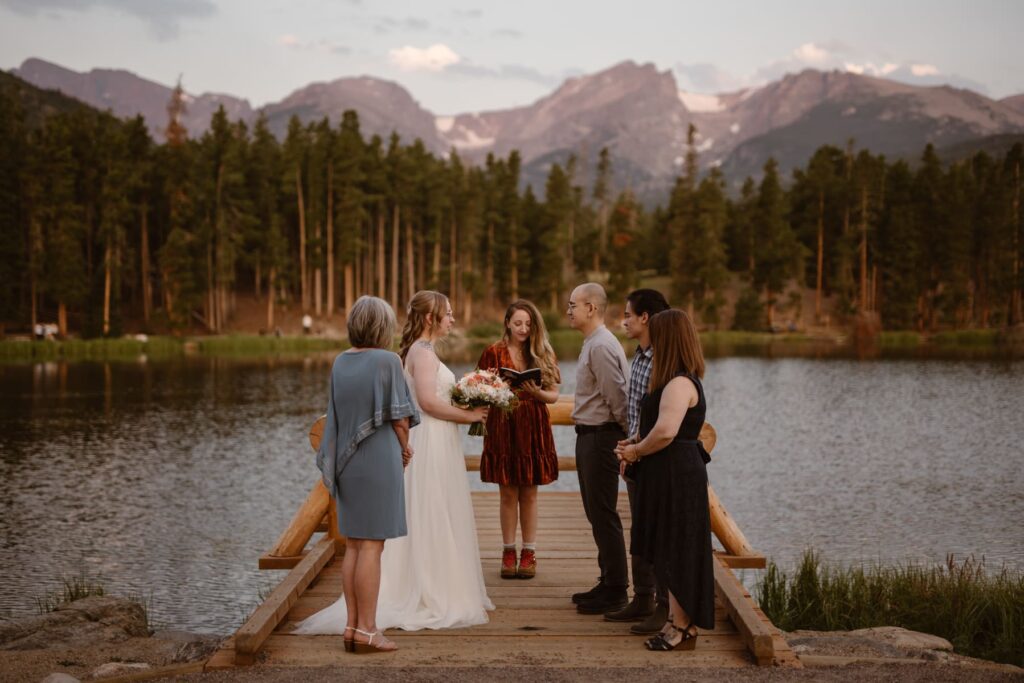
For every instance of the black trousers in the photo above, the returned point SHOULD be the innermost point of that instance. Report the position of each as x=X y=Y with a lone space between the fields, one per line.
x=644 y=580
x=598 y=471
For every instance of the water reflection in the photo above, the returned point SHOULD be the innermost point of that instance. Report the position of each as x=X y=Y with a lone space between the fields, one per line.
x=170 y=478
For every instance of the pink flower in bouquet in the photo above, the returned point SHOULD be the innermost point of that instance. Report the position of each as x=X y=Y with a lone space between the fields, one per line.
x=483 y=388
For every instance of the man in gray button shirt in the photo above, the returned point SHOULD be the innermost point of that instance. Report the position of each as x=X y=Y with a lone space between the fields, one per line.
x=601 y=421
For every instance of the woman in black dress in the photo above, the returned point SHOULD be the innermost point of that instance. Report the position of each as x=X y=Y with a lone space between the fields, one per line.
x=672 y=526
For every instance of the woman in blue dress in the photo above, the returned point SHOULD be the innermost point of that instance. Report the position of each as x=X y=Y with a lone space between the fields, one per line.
x=365 y=445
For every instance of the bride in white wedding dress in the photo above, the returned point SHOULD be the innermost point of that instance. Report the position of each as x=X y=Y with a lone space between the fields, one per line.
x=430 y=578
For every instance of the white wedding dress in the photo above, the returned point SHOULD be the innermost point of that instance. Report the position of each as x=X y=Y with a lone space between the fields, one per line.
x=432 y=577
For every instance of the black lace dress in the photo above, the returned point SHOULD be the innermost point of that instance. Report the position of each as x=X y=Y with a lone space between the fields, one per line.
x=672 y=526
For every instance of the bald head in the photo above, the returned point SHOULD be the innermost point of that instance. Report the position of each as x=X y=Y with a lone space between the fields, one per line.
x=592 y=293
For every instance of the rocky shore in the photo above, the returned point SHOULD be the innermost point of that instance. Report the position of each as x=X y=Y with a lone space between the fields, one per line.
x=93 y=638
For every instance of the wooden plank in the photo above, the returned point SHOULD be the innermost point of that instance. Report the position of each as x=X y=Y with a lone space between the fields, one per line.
x=445 y=649
x=304 y=523
x=271 y=562
x=725 y=528
x=738 y=603
x=267 y=616
x=742 y=561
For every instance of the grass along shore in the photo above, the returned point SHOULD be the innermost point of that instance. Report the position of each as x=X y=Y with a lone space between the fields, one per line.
x=566 y=342
x=127 y=348
x=980 y=613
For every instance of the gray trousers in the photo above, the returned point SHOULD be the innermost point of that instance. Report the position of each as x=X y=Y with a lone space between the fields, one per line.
x=644 y=580
x=598 y=471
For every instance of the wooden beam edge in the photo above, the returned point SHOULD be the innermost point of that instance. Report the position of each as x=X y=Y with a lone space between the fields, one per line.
x=739 y=605
x=267 y=616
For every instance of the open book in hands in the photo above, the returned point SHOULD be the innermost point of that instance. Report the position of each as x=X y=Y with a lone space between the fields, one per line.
x=516 y=378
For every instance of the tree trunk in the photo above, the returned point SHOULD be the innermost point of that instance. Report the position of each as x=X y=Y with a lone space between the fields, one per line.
x=62 y=320
x=271 y=277
x=211 y=320
x=821 y=255
x=865 y=305
x=435 y=267
x=467 y=297
x=318 y=274
x=381 y=269
x=513 y=266
x=452 y=268
x=303 y=283
x=349 y=292
x=107 y=258
x=489 y=272
x=144 y=266
x=34 y=313
x=410 y=265
x=395 y=228
x=330 y=241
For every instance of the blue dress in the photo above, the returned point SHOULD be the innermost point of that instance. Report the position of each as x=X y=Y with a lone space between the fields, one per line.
x=360 y=457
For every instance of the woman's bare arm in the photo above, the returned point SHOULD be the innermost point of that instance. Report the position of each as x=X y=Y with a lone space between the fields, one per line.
x=401 y=428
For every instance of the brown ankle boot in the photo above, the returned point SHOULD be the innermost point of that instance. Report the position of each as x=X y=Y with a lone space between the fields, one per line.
x=527 y=564
x=508 y=564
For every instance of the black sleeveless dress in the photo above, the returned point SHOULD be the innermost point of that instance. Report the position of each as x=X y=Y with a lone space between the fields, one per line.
x=672 y=526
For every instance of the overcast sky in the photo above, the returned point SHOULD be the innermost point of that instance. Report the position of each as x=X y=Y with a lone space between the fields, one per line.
x=456 y=56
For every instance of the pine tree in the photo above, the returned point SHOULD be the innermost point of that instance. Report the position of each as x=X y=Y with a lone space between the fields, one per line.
x=778 y=252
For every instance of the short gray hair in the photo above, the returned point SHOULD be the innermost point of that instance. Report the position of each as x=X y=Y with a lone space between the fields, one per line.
x=371 y=323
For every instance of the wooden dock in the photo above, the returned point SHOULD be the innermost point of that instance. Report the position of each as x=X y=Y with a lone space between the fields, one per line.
x=534 y=622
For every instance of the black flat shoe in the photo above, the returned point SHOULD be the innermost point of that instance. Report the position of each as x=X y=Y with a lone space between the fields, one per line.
x=666 y=640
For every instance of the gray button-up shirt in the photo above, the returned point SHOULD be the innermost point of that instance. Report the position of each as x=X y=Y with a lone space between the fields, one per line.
x=601 y=374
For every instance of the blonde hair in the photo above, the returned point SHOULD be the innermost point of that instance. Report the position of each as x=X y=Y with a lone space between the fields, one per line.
x=371 y=323
x=538 y=352
x=424 y=304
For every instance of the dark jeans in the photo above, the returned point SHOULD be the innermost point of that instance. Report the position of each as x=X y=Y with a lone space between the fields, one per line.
x=644 y=580
x=598 y=471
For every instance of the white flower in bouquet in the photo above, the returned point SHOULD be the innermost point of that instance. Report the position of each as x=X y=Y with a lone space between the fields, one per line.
x=483 y=388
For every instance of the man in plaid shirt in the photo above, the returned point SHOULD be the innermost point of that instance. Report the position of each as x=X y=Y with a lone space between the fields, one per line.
x=650 y=601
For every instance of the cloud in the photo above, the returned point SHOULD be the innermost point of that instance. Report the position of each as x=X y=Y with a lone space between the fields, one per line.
x=809 y=53
x=162 y=16
x=506 y=72
x=506 y=33
x=293 y=42
x=436 y=58
x=468 y=13
x=389 y=24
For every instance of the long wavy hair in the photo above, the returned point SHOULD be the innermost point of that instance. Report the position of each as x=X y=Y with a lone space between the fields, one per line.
x=538 y=352
x=425 y=308
x=676 y=347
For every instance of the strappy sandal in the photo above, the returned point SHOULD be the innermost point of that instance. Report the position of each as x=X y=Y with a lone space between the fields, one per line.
x=350 y=643
x=368 y=647
x=661 y=643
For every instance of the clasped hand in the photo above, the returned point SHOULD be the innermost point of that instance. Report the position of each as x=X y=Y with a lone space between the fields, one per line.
x=406 y=455
x=625 y=451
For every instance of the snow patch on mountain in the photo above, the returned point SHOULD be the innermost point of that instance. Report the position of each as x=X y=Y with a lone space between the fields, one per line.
x=698 y=102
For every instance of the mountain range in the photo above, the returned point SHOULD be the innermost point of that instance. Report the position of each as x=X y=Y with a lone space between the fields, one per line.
x=635 y=110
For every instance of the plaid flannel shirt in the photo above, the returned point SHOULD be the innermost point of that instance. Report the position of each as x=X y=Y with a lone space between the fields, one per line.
x=639 y=377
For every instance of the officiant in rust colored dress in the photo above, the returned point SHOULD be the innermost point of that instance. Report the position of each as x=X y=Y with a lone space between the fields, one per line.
x=519 y=449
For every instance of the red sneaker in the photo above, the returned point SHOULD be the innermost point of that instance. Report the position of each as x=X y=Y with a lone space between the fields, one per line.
x=527 y=564
x=508 y=564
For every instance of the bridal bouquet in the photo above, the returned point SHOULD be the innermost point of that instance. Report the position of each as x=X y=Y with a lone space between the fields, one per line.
x=482 y=388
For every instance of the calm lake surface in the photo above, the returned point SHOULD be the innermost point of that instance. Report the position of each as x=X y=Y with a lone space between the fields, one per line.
x=169 y=479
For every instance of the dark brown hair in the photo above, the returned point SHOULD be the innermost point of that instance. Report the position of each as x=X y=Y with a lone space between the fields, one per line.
x=676 y=348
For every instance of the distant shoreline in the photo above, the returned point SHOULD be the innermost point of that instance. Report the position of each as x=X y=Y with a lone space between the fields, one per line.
x=567 y=343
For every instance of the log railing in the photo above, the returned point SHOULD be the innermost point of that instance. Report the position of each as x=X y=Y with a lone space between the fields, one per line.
x=317 y=513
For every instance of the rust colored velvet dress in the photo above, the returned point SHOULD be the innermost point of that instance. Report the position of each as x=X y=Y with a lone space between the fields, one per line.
x=519 y=449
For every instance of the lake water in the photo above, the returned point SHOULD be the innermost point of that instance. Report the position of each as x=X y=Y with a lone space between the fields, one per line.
x=169 y=479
